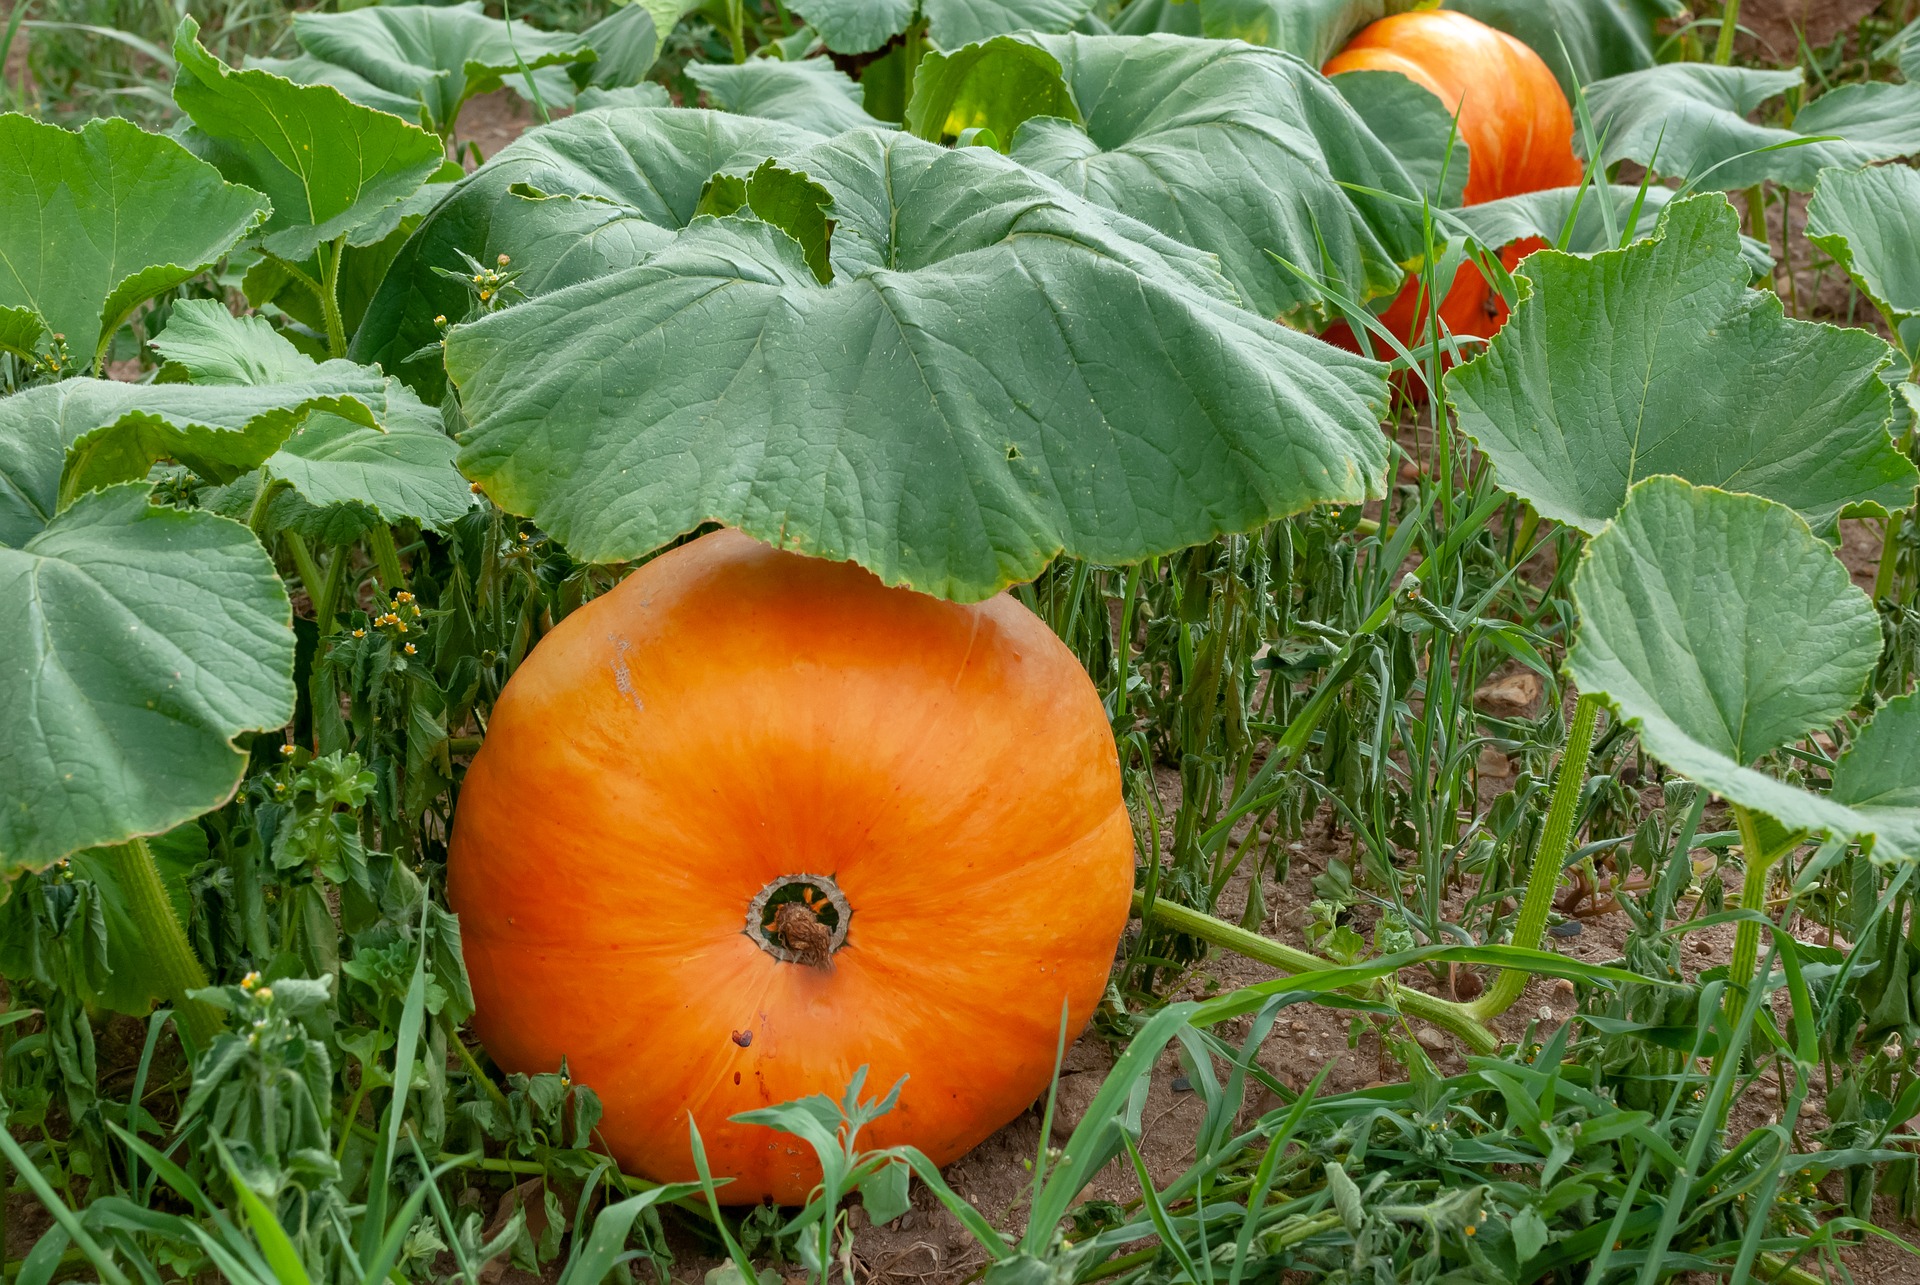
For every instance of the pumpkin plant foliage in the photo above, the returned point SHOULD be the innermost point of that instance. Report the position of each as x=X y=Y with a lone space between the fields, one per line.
x=95 y=223
x=566 y=202
x=1694 y=116
x=1582 y=40
x=1574 y=219
x=1658 y=359
x=1869 y=221
x=1721 y=628
x=812 y=93
x=1246 y=153
x=998 y=372
x=861 y=26
x=1312 y=29
x=329 y=166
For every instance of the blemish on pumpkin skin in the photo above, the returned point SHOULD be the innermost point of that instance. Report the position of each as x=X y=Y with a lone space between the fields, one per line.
x=622 y=677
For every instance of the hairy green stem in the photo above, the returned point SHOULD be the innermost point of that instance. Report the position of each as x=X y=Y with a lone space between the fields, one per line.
x=1556 y=841
x=1455 y=1018
x=170 y=960
x=330 y=300
x=1889 y=547
x=1753 y=896
x=312 y=579
x=386 y=558
x=262 y=502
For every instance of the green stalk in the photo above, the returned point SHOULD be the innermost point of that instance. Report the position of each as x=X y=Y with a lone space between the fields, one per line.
x=311 y=577
x=1555 y=842
x=1729 y=19
x=1753 y=896
x=1455 y=1018
x=170 y=959
x=262 y=501
x=1889 y=544
x=386 y=558
x=329 y=293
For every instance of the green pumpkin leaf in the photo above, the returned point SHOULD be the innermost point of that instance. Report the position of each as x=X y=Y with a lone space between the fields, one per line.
x=144 y=640
x=1879 y=777
x=646 y=94
x=1903 y=50
x=1658 y=359
x=856 y=26
x=403 y=469
x=999 y=372
x=61 y=440
x=625 y=43
x=861 y=26
x=1416 y=127
x=1721 y=628
x=812 y=93
x=128 y=987
x=1694 y=115
x=1601 y=37
x=95 y=223
x=305 y=69
x=1313 y=29
x=993 y=85
x=327 y=164
x=21 y=332
x=1245 y=153
x=1576 y=214
x=436 y=55
x=1869 y=221
x=641 y=171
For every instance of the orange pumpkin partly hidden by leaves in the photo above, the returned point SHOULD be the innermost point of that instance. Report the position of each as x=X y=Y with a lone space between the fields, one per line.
x=1513 y=119
x=752 y=820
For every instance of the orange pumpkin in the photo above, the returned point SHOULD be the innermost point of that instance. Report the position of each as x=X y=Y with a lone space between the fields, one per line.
x=752 y=820
x=1513 y=118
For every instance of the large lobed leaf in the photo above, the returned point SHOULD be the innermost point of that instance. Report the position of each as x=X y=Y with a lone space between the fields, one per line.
x=1246 y=153
x=329 y=166
x=95 y=223
x=436 y=56
x=1313 y=29
x=812 y=93
x=641 y=172
x=1869 y=221
x=1658 y=359
x=1582 y=40
x=141 y=641
x=1689 y=120
x=1587 y=225
x=1721 y=628
x=998 y=372
x=861 y=26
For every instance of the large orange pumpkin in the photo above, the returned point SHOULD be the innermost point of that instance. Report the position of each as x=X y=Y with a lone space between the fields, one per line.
x=1513 y=118
x=735 y=733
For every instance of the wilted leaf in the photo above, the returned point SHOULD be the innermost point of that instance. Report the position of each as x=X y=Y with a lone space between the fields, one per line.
x=998 y=373
x=1695 y=116
x=1658 y=359
x=327 y=164
x=1242 y=152
x=812 y=93
x=143 y=640
x=95 y=223
x=436 y=55
x=1721 y=628
x=641 y=171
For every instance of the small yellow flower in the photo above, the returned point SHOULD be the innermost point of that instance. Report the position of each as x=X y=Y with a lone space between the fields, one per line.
x=286 y=749
x=410 y=648
x=440 y=320
x=359 y=633
x=250 y=981
x=485 y=295
x=403 y=596
x=400 y=624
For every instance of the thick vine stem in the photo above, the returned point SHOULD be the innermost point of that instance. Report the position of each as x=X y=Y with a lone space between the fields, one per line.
x=1753 y=896
x=329 y=293
x=176 y=969
x=1454 y=1018
x=1729 y=23
x=386 y=558
x=1556 y=840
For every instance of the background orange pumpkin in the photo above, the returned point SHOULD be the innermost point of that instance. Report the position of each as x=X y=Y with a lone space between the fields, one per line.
x=1513 y=118
x=731 y=716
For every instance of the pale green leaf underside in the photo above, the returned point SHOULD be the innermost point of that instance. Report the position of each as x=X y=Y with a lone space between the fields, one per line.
x=1694 y=115
x=1658 y=359
x=812 y=94
x=1722 y=628
x=1416 y=127
x=59 y=440
x=643 y=170
x=405 y=471
x=1577 y=214
x=327 y=164
x=143 y=641
x=855 y=26
x=998 y=373
x=1869 y=221
x=94 y=223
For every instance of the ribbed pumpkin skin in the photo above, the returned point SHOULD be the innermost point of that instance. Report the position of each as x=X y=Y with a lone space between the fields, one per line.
x=731 y=714
x=1513 y=118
